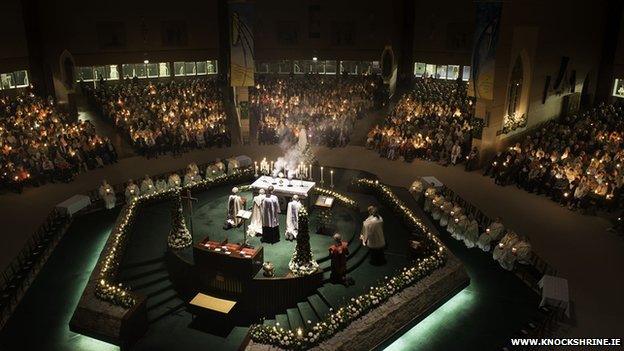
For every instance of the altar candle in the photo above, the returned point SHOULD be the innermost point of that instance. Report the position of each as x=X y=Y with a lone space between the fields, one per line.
x=310 y=171
x=321 y=174
x=256 y=168
x=331 y=177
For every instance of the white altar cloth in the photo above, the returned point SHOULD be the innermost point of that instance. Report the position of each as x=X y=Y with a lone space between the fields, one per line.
x=282 y=188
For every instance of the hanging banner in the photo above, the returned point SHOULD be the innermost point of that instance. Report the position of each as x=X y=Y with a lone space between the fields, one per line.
x=484 y=49
x=241 y=44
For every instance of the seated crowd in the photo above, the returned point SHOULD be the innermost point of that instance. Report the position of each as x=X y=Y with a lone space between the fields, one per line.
x=430 y=122
x=325 y=106
x=576 y=160
x=167 y=116
x=39 y=143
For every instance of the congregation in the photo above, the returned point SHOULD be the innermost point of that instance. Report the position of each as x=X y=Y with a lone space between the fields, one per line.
x=326 y=107
x=431 y=122
x=39 y=143
x=165 y=117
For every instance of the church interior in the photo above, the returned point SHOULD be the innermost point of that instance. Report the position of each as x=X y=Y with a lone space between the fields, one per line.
x=311 y=175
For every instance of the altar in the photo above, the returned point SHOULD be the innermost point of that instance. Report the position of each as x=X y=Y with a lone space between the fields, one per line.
x=284 y=189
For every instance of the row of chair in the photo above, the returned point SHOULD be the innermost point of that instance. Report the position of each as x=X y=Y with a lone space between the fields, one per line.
x=20 y=273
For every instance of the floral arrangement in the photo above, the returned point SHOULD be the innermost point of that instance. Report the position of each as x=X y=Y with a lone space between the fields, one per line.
x=116 y=294
x=377 y=295
x=179 y=237
x=513 y=122
x=302 y=262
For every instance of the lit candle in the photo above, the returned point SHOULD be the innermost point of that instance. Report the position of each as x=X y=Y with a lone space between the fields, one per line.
x=331 y=177
x=310 y=175
x=255 y=168
x=321 y=174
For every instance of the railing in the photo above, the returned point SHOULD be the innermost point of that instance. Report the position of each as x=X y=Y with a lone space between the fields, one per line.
x=22 y=271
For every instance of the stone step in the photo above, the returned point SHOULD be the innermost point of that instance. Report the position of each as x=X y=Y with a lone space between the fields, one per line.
x=307 y=314
x=319 y=306
x=294 y=319
x=282 y=321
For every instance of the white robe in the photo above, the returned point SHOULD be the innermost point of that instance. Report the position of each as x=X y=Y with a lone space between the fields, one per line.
x=235 y=204
x=132 y=191
x=492 y=234
x=372 y=233
x=190 y=179
x=147 y=187
x=161 y=185
x=270 y=211
x=108 y=195
x=232 y=166
x=255 y=227
x=292 y=219
x=303 y=139
x=174 y=181
x=213 y=171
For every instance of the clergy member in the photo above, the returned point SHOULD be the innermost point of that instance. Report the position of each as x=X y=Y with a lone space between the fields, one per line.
x=255 y=227
x=338 y=252
x=373 y=236
x=161 y=185
x=107 y=194
x=235 y=204
x=132 y=191
x=492 y=234
x=471 y=235
x=504 y=245
x=292 y=218
x=173 y=181
x=147 y=186
x=270 y=219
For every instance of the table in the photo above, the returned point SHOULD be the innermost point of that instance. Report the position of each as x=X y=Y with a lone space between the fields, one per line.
x=280 y=186
x=555 y=292
x=227 y=260
x=74 y=204
x=282 y=189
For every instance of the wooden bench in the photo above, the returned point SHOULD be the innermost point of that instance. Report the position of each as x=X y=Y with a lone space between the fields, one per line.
x=203 y=303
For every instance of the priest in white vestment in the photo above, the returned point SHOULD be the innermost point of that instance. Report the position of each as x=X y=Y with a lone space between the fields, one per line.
x=504 y=245
x=214 y=170
x=191 y=178
x=235 y=204
x=132 y=191
x=107 y=194
x=161 y=185
x=292 y=218
x=373 y=236
x=255 y=225
x=492 y=234
x=471 y=235
x=173 y=181
x=270 y=217
x=147 y=186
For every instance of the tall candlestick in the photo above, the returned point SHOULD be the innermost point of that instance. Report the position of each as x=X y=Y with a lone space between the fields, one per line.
x=322 y=175
x=331 y=177
x=255 y=168
x=310 y=175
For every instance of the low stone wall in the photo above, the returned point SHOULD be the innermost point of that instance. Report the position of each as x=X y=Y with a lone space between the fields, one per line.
x=413 y=303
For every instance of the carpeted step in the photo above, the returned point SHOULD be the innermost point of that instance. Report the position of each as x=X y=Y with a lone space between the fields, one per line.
x=147 y=281
x=156 y=290
x=269 y=322
x=161 y=299
x=282 y=321
x=294 y=319
x=356 y=260
x=307 y=314
x=329 y=297
x=131 y=273
x=320 y=307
